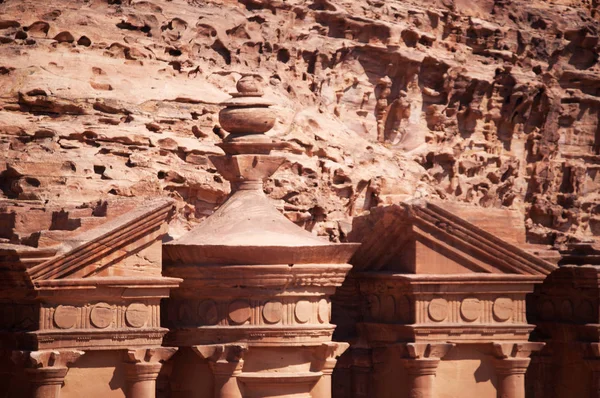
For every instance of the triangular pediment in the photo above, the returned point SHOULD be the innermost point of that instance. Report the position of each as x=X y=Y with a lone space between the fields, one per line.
x=424 y=238
x=128 y=245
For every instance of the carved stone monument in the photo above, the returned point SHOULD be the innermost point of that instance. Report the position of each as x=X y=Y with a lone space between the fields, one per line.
x=254 y=305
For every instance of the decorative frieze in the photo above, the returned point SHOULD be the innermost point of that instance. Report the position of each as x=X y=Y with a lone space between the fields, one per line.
x=268 y=311
x=434 y=307
x=100 y=316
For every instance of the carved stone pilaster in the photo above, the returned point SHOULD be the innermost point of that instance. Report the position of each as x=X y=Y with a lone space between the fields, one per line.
x=592 y=360
x=46 y=370
x=142 y=368
x=543 y=367
x=362 y=366
x=512 y=360
x=226 y=363
x=324 y=361
x=421 y=361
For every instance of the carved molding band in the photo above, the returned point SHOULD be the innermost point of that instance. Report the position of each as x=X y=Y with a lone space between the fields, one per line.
x=250 y=312
x=101 y=316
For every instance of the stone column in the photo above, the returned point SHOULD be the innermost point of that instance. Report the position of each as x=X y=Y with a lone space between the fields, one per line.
x=362 y=367
x=511 y=377
x=46 y=370
x=421 y=361
x=142 y=368
x=226 y=363
x=324 y=361
x=511 y=362
x=592 y=360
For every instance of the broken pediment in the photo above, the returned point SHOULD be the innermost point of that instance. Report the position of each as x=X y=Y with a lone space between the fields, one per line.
x=127 y=245
x=100 y=287
x=424 y=238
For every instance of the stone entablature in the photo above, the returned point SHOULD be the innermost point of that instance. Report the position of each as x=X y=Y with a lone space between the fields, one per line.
x=467 y=307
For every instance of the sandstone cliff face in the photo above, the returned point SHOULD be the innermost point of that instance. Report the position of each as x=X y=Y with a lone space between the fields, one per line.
x=494 y=103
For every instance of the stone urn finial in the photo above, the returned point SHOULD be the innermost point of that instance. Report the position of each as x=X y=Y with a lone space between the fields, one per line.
x=247 y=116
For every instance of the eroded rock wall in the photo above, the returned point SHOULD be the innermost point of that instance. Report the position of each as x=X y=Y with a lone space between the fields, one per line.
x=494 y=103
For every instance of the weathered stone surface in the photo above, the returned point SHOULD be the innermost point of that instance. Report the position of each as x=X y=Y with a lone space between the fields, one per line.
x=494 y=111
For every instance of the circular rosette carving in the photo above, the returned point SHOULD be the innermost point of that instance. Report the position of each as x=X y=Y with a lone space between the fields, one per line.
x=585 y=311
x=273 y=311
x=470 y=309
x=101 y=315
x=185 y=313
x=438 y=310
x=208 y=312
x=239 y=311
x=566 y=310
x=137 y=314
x=323 y=312
x=373 y=306
x=303 y=311
x=65 y=316
x=502 y=309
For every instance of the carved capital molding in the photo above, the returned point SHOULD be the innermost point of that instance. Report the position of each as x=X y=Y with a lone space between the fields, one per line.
x=144 y=364
x=511 y=350
x=47 y=358
x=150 y=355
x=224 y=359
x=47 y=368
x=427 y=350
x=325 y=356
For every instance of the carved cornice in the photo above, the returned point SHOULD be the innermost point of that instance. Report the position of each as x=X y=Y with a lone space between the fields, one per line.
x=253 y=336
x=394 y=231
x=105 y=242
x=480 y=244
x=259 y=276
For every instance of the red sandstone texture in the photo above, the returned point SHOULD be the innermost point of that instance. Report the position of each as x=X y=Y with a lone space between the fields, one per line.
x=490 y=103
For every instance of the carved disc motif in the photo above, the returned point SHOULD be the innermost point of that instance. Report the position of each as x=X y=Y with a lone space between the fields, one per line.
x=65 y=316
x=585 y=311
x=502 y=309
x=373 y=305
x=137 y=314
x=438 y=309
x=208 y=312
x=470 y=309
x=323 y=312
x=303 y=311
x=239 y=311
x=101 y=315
x=566 y=309
x=185 y=313
x=273 y=311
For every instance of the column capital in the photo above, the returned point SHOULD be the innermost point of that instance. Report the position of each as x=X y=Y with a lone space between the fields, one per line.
x=221 y=352
x=46 y=369
x=429 y=351
x=511 y=366
x=144 y=364
x=222 y=358
x=325 y=356
x=46 y=358
x=149 y=355
x=508 y=350
x=422 y=366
